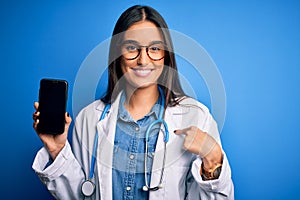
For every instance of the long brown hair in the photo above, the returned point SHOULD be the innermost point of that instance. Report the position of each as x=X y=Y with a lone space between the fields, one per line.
x=169 y=77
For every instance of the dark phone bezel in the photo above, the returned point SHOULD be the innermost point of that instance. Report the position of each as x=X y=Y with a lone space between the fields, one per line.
x=43 y=126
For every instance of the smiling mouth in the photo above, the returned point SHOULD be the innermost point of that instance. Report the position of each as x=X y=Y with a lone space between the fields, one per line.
x=142 y=72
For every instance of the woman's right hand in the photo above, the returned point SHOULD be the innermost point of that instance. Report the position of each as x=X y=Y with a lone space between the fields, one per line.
x=53 y=143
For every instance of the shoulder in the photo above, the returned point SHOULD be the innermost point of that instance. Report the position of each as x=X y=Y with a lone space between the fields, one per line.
x=190 y=112
x=189 y=108
x=91 y=110
x=191 y=104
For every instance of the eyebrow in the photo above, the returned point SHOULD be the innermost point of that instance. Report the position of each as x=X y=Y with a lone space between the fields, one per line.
x=137 y=43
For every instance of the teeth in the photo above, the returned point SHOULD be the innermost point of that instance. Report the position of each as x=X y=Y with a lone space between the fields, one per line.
x=143 y=71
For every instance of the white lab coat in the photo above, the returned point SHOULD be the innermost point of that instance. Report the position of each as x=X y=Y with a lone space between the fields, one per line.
x=182 y=179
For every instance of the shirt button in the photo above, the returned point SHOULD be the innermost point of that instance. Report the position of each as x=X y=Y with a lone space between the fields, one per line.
x=128 y=188
x=131 y=156
x=137 y=128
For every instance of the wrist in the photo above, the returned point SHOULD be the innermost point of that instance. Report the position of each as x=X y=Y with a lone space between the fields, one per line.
x=211 y=174
x=214 y=158
x=212 y=164
x=54 y=151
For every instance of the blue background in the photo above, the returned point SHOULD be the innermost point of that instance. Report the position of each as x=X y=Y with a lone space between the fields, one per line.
x=255 y=45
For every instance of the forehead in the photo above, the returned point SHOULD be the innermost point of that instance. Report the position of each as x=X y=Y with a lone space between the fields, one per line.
x=143 y=32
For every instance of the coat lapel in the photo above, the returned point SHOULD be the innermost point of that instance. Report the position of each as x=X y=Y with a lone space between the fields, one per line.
x=173 y=119
x=106 y=131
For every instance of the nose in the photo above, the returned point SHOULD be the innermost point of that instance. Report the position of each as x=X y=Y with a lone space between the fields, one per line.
x=143 y=58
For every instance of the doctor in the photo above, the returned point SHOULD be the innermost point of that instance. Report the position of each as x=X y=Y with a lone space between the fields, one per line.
x=145 y=139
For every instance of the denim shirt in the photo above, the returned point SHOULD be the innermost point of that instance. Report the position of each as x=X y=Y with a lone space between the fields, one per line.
x=128 y=157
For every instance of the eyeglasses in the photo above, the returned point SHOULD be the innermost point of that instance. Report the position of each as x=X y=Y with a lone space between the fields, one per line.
x=131 y=51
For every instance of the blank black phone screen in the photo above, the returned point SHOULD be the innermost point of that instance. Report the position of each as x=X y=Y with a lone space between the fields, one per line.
x=52 y=106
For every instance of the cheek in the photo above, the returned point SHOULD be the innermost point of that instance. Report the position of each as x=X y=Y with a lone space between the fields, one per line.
x=159 y=65
x=124 y=65
x=127 y=63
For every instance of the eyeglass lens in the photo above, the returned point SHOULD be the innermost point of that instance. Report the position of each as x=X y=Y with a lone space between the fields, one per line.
x=154 y=51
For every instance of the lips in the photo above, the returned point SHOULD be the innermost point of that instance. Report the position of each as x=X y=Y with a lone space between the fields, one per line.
x=142 y=72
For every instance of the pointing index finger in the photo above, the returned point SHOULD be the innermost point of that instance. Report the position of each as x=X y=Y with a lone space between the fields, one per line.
x=180 y=131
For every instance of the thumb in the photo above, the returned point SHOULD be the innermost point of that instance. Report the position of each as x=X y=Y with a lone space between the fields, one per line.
x=36 y=105
x=68 y=119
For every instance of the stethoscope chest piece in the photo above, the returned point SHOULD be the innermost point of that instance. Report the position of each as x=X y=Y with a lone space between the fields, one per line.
x=87 y=188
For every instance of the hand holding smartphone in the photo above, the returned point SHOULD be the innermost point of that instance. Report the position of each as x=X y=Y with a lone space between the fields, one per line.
x=53 y=94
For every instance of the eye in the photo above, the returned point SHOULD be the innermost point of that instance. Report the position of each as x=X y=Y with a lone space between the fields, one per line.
x=156 y=48
x=131 y=48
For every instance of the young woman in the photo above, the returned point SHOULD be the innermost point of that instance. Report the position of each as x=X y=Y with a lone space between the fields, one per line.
x=145 y=139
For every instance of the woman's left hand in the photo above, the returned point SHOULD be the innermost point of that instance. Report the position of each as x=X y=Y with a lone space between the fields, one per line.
x=202 y=144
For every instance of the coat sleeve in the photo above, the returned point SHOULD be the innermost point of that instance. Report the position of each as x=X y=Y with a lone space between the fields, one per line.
x=221 y=188
x=63 y=177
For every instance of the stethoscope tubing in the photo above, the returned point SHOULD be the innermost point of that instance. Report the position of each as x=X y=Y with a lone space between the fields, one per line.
x=91 y=174
x=160 y=120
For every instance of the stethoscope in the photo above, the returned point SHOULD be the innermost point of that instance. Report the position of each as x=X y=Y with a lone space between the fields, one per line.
x=88 y=187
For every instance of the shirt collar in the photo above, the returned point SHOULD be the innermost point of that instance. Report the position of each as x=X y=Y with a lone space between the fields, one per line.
x=125 y=115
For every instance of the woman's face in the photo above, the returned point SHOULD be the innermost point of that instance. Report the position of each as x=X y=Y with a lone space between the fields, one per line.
x=143 y=53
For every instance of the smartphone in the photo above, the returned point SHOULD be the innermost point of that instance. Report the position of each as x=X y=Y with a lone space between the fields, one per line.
x=53 y=94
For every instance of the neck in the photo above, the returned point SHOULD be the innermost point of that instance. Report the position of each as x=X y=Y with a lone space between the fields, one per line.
x=140 y=101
